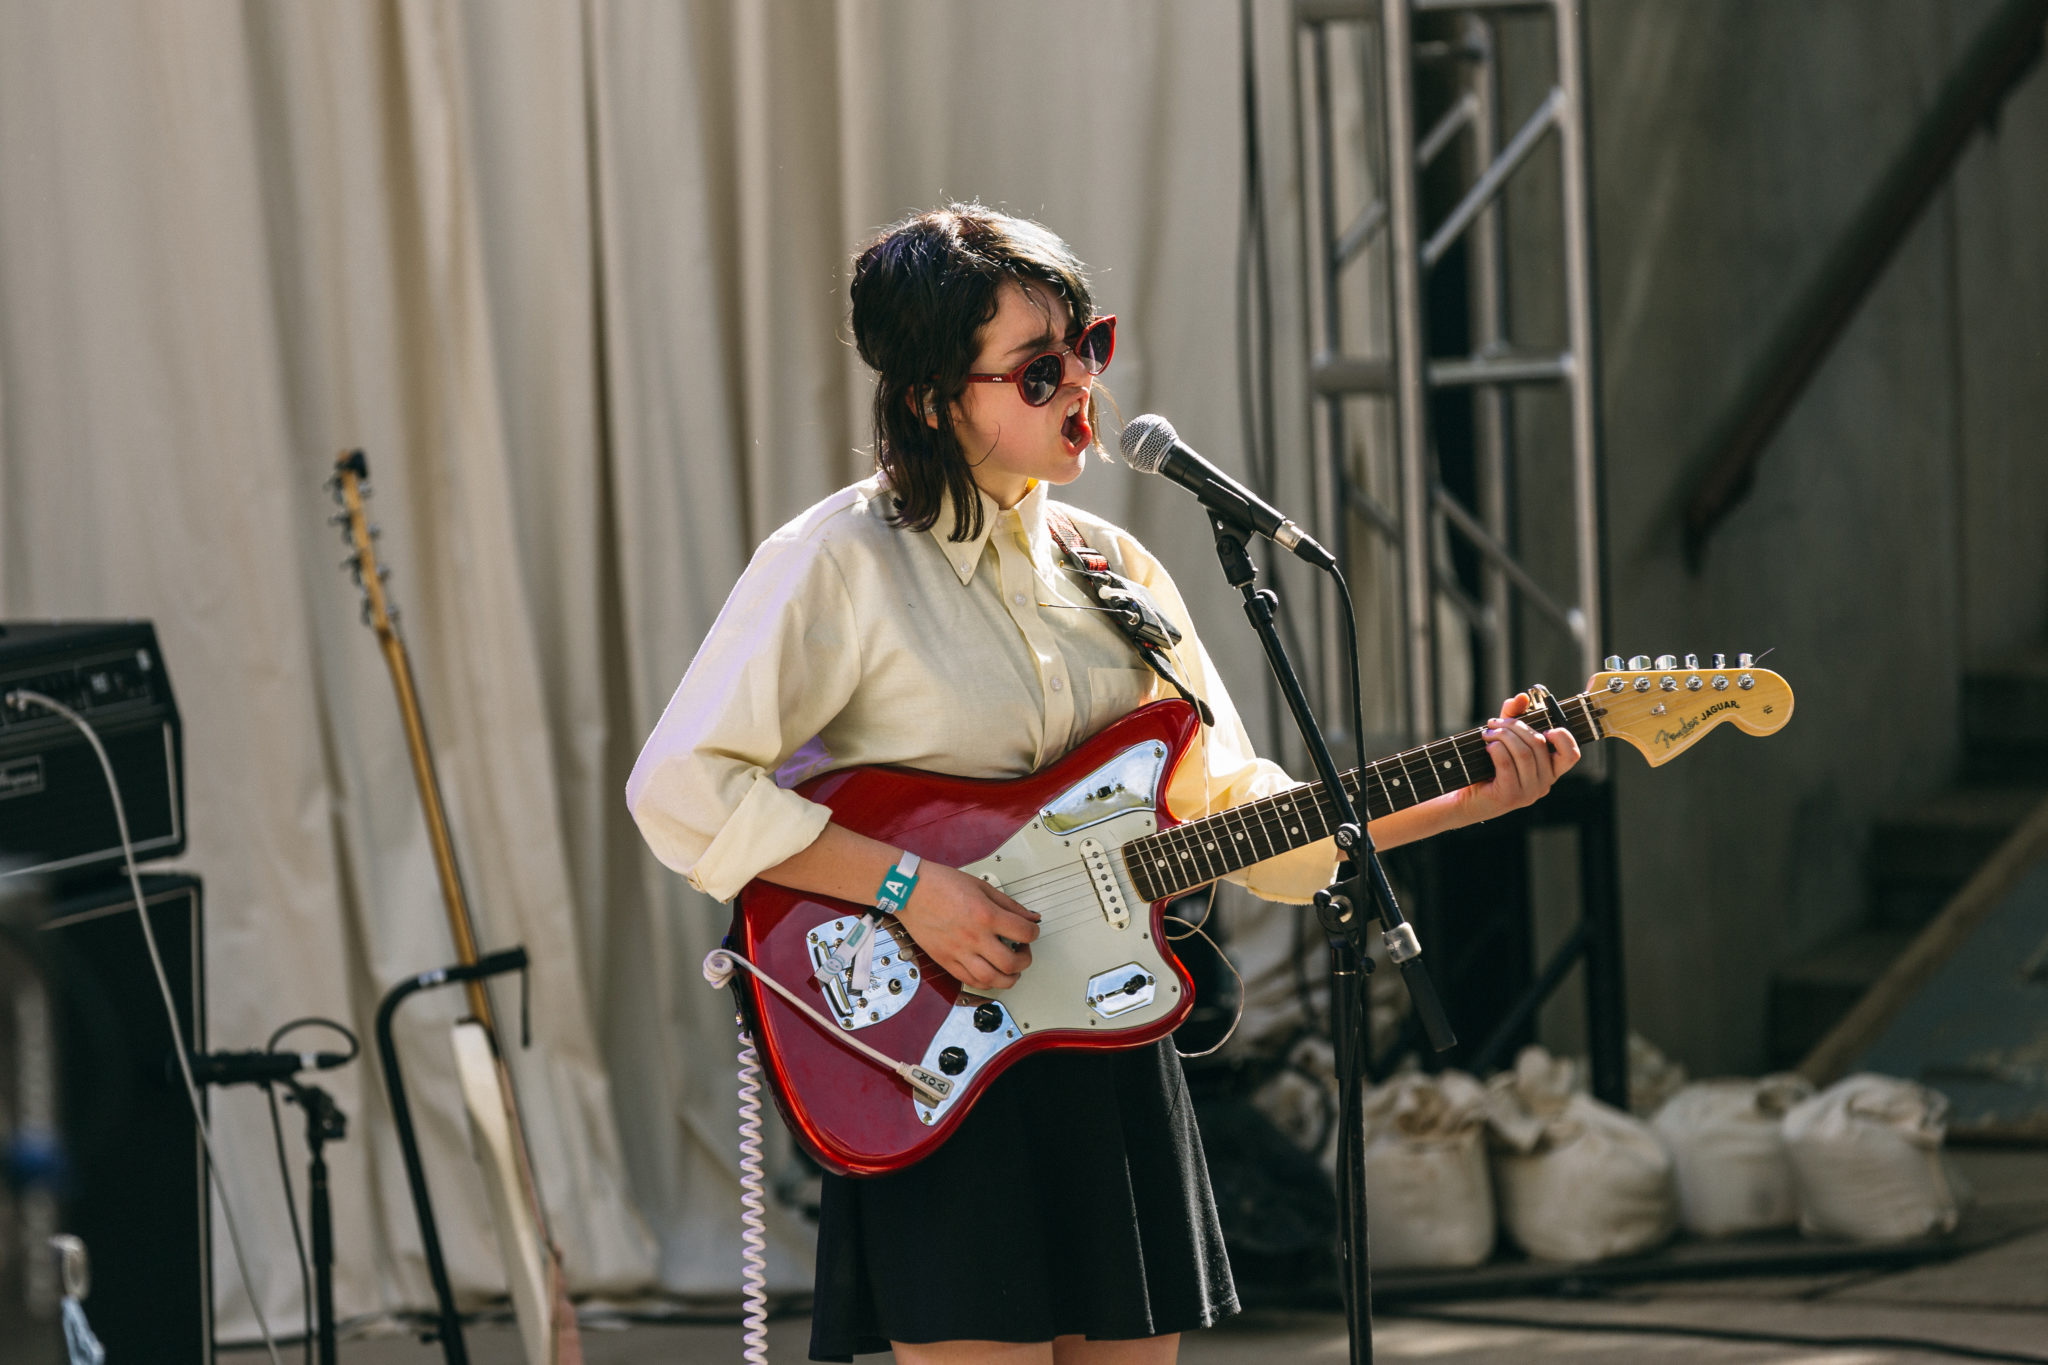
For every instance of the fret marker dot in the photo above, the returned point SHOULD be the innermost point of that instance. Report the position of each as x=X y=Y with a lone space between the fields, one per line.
x=1447 y=763
x=1397 y=781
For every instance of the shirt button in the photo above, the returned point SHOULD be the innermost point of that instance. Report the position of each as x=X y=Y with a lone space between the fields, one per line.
x=1056 y=683
x=1018 y=598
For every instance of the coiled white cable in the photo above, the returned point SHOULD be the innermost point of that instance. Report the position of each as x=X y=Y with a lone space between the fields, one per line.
x=719 y=965
x=16 y=699
x=753 y=1204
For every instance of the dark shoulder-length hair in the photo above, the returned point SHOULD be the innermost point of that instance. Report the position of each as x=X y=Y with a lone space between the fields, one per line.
x=922 y=292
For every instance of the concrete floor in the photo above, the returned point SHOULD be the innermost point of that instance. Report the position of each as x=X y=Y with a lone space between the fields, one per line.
x=1992 y=1303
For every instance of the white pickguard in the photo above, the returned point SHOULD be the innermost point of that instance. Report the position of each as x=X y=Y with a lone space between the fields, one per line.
x=1077 y=940
x=1095 y=964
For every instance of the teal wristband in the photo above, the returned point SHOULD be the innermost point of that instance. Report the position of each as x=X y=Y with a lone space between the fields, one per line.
x=898 y=884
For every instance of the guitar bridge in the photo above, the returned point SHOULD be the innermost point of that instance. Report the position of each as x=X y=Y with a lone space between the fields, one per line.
x=892 y=979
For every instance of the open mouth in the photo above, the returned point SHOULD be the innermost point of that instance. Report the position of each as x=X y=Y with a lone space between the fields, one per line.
x=1075 y=431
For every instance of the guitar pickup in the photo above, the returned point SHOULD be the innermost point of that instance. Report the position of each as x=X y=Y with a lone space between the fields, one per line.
x=1109 y=893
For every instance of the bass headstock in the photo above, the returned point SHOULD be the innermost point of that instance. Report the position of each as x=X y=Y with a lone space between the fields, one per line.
x=350 y=485
x=1665 y=706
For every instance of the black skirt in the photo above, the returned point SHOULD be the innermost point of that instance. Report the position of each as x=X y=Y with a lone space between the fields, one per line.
x=1072 y=1200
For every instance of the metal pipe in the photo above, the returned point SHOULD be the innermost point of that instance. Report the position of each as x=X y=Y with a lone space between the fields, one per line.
x=1497 y=554
x=1372 y=375
x=1490 y=337
x=1494 y=1051
x=1495 y=370
x=1454 y=120
x=1338 y=375
x=1359 y=233
x=1411 y=357
x=1583 y=385
x=1494 y=176
x=1371 y=509
x=1599 y=875
x=1337 y=475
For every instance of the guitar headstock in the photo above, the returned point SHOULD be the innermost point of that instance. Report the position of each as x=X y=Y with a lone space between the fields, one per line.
x=350 y=485
x=1665 y=706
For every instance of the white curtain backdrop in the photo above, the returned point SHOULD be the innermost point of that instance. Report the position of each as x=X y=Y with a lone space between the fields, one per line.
x=573 y=275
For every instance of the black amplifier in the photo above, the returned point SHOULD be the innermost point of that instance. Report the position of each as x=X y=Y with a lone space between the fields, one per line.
x=56 y=817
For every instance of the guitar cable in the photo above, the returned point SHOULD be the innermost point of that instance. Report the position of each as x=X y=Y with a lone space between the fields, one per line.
x=753 y=1204
x=18 y=699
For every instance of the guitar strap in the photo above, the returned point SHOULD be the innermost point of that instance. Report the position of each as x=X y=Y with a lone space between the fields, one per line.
x=1129 y=606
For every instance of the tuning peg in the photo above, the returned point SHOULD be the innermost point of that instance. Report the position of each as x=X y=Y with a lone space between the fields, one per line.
x=1720 y=661
x=353 y=563
x=1744 y=660
x=1666 y=661
x=383 y=572
x=1692 y=661
x=366 y=611
x=1639 y=662
x=376 y=531
x=1612 y=664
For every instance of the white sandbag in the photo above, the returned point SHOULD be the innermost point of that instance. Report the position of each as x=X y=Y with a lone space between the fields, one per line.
x=1653 y=1078
x=1866 y=1157
x=1576 y=1180
x=1429 y=1197
x=1727 y=1145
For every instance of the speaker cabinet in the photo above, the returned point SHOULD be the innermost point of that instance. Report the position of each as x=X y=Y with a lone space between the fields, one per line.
x=138 y=1190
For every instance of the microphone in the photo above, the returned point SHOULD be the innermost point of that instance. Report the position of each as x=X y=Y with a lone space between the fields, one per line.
x=258 y=1068
x=1151 y=445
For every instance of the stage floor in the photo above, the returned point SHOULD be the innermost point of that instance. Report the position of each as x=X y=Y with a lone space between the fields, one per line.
x=1989 y=1300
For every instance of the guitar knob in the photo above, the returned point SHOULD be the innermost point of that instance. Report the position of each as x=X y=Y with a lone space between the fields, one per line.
x=1639 y=662
x=953 y=1061
x=1612 y=664
x=1692 y=661
x=1666 y=661
x=988 y=1016
x=1744 y=660
x=1720 y=661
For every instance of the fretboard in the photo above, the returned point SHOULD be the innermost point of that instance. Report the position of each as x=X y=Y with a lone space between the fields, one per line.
x=1177 y=860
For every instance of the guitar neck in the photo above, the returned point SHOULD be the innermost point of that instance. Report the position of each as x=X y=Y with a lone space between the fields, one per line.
x=1175 y=861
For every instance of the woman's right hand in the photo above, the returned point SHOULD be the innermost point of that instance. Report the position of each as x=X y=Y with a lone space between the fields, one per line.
x=980 y=936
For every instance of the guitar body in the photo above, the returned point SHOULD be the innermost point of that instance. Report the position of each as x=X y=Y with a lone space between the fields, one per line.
x=1089 y=845
x=1102 y=975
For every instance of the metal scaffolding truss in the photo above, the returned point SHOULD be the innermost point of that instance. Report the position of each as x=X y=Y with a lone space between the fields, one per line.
x=1427 y=515
x=1492 y=605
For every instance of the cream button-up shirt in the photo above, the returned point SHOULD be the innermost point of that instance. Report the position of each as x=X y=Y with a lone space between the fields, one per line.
x=849 y=641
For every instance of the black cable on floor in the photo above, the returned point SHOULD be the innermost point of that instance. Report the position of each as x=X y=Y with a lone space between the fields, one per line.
x=1664 y=1329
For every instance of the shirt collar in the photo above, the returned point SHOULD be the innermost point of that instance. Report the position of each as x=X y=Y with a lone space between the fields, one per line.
x=1028 y=516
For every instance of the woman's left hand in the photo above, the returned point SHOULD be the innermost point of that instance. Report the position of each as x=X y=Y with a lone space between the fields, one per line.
x=1525 y=763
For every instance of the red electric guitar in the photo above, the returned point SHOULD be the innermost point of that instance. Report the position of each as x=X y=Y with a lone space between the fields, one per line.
x=1089 y=845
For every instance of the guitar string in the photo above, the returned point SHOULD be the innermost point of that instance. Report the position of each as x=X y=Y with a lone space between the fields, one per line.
x=1465 y=747
x=1071 y=911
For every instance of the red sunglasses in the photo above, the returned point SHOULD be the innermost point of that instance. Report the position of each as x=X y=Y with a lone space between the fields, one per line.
x=1038 y=378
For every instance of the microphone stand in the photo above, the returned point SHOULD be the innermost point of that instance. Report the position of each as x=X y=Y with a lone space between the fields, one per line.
x=1344 y=927
x=324 y=1123
x=447 y=1322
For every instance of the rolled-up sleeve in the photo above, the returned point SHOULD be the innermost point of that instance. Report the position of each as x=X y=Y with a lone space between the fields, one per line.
x=1223 y=771
x=779 y=663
